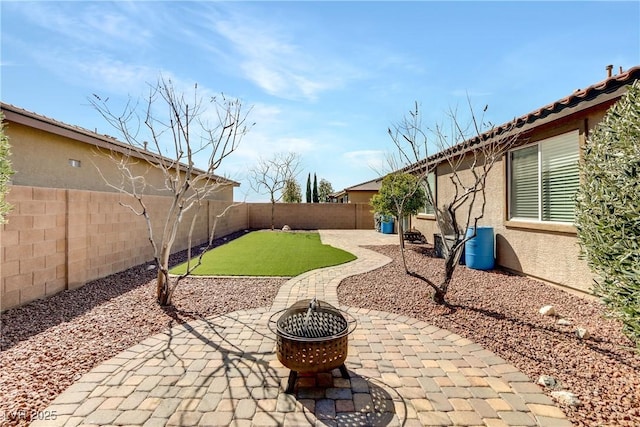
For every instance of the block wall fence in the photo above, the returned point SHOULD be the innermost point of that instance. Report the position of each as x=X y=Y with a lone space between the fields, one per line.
x=58 y=239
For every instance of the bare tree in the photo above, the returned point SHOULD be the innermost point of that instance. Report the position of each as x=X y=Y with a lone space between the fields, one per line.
x=270 y=176
x=470 y=152
x=186 y=130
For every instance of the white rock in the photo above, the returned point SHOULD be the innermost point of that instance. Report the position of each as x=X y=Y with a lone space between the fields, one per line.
x=563 y=322
x=547 y=381
x=548 y=310
x=151 y=267
x=286 y=228
x=566 y=397
x=582 y=333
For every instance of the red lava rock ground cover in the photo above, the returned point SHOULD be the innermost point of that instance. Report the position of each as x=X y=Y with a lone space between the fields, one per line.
x=47 y=345
x=500 y=312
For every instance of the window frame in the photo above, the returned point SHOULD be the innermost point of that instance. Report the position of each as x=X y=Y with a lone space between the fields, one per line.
x=423 y=212
x=538 y=222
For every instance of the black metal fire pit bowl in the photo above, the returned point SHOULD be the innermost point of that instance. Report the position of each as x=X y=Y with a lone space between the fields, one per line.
x=312 y=336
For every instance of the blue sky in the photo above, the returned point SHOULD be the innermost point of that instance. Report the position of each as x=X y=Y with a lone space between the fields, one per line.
x=325 y=79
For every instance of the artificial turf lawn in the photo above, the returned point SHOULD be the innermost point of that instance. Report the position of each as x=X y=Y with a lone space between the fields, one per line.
x=269 y=253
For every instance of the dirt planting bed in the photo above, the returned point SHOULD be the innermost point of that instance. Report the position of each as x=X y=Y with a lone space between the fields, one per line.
x=500 y=312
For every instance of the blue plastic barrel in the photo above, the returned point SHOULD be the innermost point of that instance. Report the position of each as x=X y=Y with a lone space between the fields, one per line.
x=387 y=226
x=479 y=250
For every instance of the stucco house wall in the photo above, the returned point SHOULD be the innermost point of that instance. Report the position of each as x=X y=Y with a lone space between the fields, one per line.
x=359 y=193
x=547 y=251
x=47 y=153
x=361 y=196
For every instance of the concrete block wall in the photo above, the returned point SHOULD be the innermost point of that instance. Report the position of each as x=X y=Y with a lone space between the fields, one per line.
x=58 y=239
x=34 y=245
x=312 y=216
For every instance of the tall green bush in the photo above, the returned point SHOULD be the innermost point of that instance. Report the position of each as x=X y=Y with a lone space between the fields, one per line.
x=315 y=189
x=292 y=192
x=400 y=194
x=5 y=171
x=608 y=210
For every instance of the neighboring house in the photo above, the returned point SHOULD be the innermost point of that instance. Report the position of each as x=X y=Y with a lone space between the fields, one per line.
x=531 y=191
x=48 y=153
x=360 y=193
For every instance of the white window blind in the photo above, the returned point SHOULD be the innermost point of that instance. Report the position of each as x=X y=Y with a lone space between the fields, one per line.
x=544 y=179
x=524 y=183
x=428 y=207
x=560 y=177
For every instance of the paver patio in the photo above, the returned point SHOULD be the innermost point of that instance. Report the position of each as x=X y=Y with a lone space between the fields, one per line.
x=224 y=371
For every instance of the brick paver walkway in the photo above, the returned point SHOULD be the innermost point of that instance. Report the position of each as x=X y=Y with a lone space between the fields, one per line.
x=224 y=371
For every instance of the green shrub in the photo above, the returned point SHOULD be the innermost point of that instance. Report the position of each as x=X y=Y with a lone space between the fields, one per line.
x=608 y=210
x=400 y=194
x=5 y=171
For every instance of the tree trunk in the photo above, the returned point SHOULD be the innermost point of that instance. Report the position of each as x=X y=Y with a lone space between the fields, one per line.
x=401 y=237
x=273 y=208
x=163 y=289
x=449 y=267
x=438 y=297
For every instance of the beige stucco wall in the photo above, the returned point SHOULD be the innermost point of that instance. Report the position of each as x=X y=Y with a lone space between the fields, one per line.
x=41 y=159
x=543 y=251
x=361 y=196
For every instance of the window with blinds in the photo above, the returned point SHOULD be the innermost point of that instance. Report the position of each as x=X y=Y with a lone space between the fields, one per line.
x=544 y=179
x=428 y=207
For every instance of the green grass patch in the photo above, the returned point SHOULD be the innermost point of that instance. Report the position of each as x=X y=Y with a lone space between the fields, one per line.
x=267 y=253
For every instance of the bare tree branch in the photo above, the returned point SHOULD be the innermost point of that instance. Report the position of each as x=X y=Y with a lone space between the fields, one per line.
x=166 y=133
x=270 y=176
x=470 y=151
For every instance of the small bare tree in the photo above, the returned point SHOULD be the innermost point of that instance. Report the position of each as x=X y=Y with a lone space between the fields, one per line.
x=270 y=177
x=470 y=151
x=184 y=130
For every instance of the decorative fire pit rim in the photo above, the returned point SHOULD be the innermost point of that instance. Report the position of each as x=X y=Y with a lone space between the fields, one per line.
x=275 y=317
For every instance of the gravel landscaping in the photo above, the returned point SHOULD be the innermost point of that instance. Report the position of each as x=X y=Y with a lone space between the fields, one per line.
x=500 y=312
x=49 y=344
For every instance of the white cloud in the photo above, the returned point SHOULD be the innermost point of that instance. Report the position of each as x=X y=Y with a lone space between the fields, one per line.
x=268 y=56
x=94 y=23
x=375 y=160
x=100 y=72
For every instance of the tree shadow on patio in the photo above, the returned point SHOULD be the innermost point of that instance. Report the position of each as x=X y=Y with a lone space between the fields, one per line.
x=227 y=366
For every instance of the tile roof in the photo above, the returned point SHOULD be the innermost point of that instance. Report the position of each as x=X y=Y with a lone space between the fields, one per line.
x=85 y=135
x=606 y=86
x=606 y=90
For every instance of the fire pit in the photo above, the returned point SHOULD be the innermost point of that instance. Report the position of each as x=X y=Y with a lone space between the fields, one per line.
x=312 y=336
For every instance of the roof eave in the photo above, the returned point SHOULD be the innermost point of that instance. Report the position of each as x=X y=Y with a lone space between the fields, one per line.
x=28 y=118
